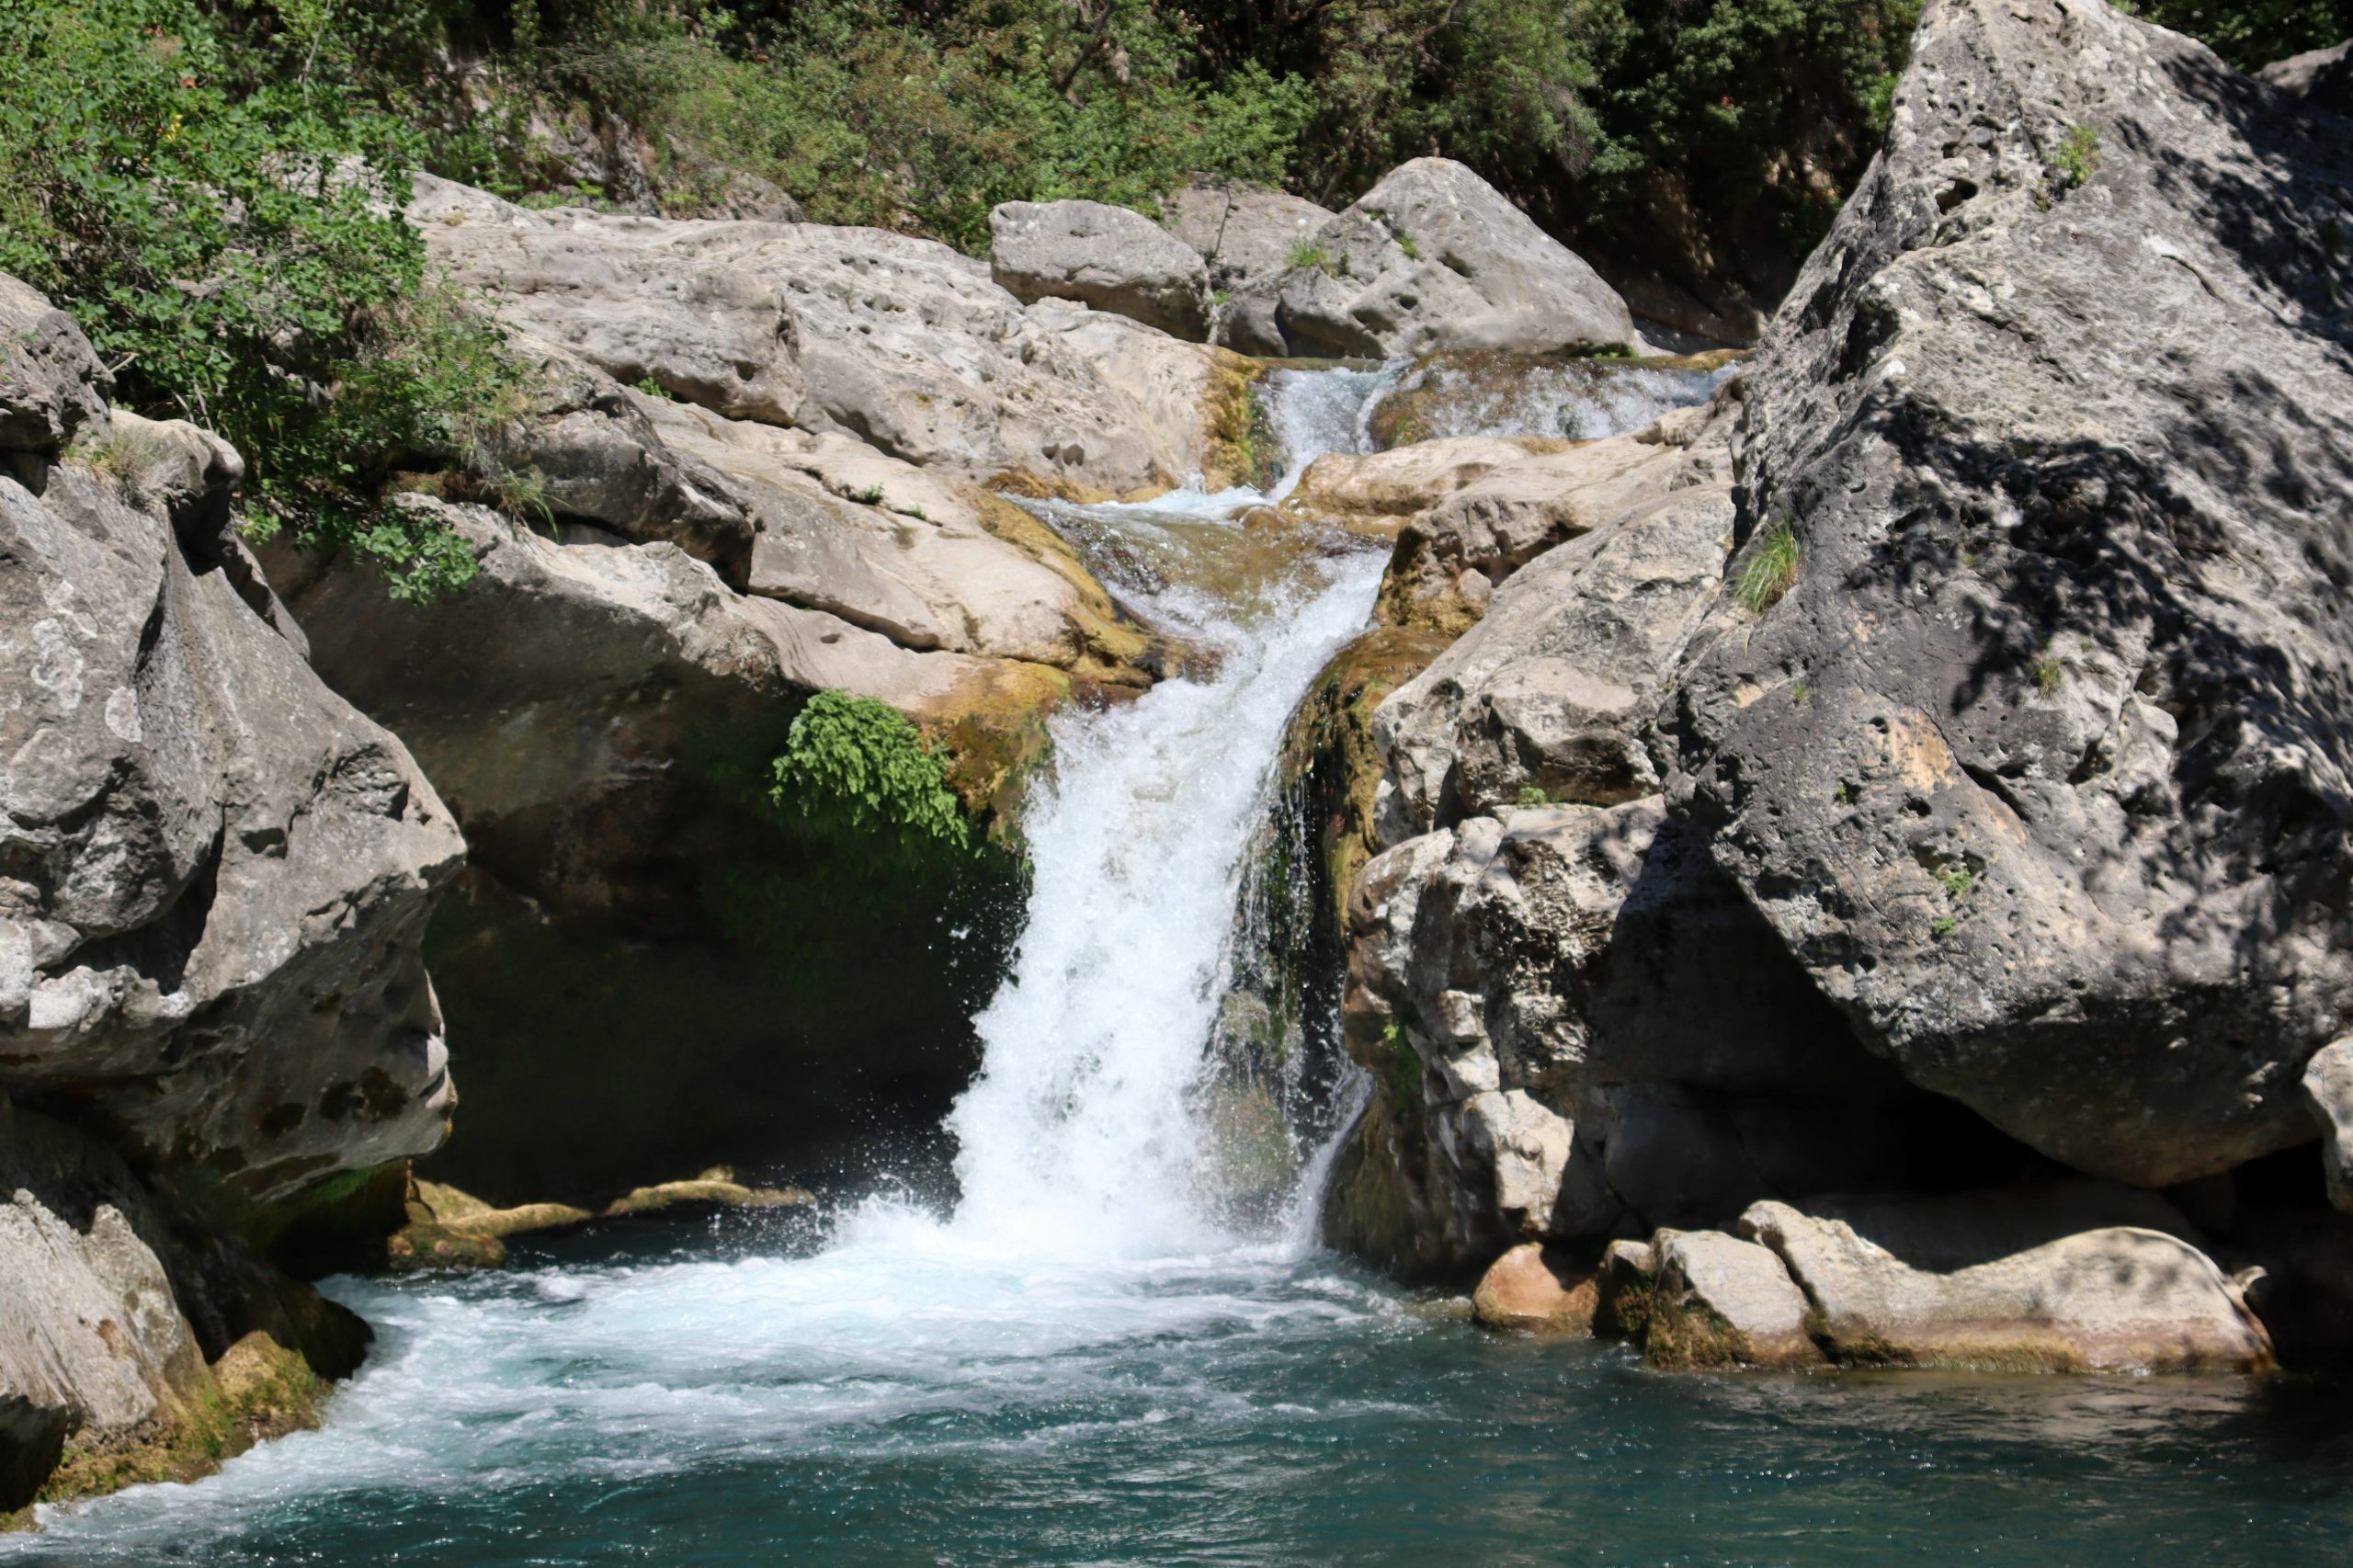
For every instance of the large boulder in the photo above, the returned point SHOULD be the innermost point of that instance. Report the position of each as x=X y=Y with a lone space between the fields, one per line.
x=2040 y=765
x=899 y=342
x=218 y=873
x=214 y=878
x=1102 y=257
x=2321 y=78
x=1433 y=258
x=1247 y=238
x=1241 y=233
x=2080 y=1278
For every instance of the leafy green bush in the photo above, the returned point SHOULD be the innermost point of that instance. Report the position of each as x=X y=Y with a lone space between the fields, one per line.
x=855 y=766
x=2252 y=33
x=220 y=213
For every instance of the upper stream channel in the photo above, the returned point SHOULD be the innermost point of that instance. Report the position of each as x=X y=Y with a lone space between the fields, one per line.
x=1087 y=1361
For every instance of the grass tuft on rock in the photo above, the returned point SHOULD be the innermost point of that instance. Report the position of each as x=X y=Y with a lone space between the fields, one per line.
x=1770 y=571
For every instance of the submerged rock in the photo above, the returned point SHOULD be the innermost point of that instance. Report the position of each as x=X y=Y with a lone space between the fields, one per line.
x=2006 y=1282
x=1717 y=1300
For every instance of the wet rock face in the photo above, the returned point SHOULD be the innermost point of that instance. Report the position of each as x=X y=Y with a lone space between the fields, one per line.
x=214 y=874
x=120 y=1328
x=1103 y=256
x=2040 y=767
x=1433 y=258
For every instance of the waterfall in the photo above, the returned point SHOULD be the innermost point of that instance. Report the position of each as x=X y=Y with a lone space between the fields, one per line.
x=1081 y=1129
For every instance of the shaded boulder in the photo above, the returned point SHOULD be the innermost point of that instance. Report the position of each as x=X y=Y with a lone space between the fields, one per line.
x=1105 y=258
x=603 y=719
x=2328 y=1089
x=1432 y=259
x=2030 y=741
x=2322 y=78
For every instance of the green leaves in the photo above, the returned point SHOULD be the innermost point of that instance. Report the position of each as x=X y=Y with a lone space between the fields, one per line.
x=855 y=766
x=222 y=215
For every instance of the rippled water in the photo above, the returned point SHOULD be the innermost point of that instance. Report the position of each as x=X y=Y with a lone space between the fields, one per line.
x=1087 y=1362
x=704 y=1400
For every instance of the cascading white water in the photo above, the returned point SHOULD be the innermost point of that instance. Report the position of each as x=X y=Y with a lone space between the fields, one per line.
x=1080 y=1133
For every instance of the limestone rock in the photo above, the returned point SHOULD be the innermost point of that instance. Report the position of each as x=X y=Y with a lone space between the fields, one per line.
x=1247 y=238
x=1102 y=257
x=1241 y=233
x=1433 y=257
x=899 y=342
x=1552 y=694
x=2322 y=78
x=2055 y=420
x=51 y=381
x=218 y=872
x=2004 y=1282
x=643 y=298
x=1720 y=1300
x=2328 y=1088
x=117 y=1294
x=1540 y=958
x=1536 y=1288
x=843 y=528
x=603 y=717
x=1374 y=486
x=595 y=447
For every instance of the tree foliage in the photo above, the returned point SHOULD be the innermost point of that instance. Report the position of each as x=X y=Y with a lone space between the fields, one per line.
x=200 y=187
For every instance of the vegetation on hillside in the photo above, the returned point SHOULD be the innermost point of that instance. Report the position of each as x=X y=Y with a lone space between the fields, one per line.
x=210 y=185
x=198 y=186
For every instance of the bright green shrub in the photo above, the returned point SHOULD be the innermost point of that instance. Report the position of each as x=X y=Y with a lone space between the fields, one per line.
x=855 y=766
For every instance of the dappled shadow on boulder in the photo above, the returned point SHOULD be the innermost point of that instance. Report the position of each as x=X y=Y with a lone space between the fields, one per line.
x=2039 y=768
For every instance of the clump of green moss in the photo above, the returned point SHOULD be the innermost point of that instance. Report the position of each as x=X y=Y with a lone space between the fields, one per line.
x=258 y=1389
